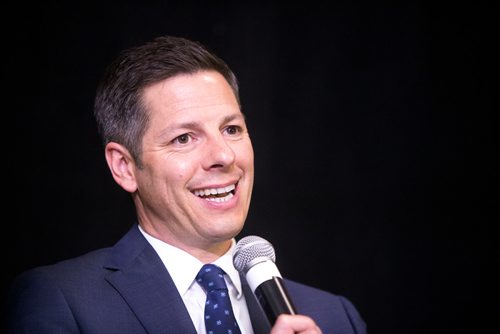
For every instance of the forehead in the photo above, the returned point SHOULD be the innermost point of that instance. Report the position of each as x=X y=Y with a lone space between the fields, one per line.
x=201 y=96
x=188 y=91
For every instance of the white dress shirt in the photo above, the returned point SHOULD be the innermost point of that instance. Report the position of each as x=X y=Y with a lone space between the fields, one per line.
x=183 y=268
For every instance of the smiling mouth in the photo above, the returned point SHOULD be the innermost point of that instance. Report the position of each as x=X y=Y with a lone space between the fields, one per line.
x=222 y=194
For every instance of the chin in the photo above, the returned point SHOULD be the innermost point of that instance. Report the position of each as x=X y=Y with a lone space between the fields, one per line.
x=228 y=231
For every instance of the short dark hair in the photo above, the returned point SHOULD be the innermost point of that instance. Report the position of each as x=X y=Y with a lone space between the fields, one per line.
x=119 y=109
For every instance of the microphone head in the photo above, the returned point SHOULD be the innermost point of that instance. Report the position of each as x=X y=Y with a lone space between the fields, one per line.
x=251 y=250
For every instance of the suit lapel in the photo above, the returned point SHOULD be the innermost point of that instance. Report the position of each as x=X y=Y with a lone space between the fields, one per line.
x=143 y=281
x=259 y=320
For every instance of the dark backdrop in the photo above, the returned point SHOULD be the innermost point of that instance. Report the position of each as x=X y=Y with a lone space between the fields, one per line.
x=372 y=129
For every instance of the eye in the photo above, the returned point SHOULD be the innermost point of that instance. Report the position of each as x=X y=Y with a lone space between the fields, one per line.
x=182 y=139
x=233 y=130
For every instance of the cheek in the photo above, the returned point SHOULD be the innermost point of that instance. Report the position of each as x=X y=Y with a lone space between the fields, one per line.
x=245 y=155
x=181 y=169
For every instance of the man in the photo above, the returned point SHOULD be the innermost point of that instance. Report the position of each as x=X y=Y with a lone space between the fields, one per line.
x=176 y=140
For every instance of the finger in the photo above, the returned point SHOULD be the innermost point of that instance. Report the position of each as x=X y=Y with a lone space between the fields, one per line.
x=291 y=324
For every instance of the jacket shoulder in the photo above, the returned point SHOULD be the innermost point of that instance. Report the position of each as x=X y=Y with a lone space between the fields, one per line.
x=332 y=312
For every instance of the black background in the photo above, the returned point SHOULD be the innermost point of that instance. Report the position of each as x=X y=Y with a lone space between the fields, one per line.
x=372 y=128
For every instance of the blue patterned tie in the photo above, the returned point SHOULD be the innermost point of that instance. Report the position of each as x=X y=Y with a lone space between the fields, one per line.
x=219 y=317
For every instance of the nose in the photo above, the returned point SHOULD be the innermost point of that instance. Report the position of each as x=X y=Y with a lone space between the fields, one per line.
x=219 y=153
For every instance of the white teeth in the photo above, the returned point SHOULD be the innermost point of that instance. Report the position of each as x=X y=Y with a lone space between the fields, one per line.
x=215 y=191
x=220 y=199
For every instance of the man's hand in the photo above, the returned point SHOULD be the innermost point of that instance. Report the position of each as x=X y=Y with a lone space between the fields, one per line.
x=293 y=324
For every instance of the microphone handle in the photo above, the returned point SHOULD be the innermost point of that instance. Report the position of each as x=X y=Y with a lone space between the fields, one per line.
x=274 y=299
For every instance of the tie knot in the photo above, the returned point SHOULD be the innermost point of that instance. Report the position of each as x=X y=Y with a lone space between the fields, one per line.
x=211 y=277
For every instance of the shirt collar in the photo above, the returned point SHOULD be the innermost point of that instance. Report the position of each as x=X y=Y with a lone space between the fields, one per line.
x=183 y=267
x=226 y=263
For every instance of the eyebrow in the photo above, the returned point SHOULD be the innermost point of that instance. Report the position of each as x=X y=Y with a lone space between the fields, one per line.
x=194 y=125
x=232 y=117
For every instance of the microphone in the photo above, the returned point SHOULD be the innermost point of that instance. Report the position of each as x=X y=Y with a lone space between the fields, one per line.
x=254 y=257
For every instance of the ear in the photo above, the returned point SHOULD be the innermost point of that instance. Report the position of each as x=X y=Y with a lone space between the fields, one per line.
x=121 y=165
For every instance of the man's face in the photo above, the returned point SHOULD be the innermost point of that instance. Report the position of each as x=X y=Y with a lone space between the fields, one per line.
x=197 y=175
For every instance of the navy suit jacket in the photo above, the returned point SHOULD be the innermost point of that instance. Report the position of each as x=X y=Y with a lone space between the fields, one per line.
x=127 y=289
